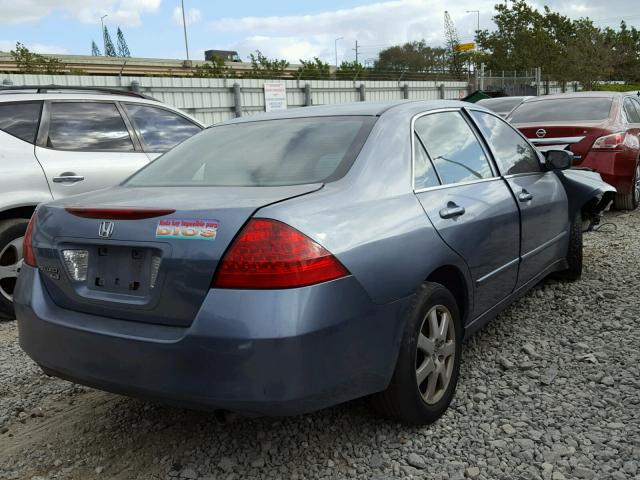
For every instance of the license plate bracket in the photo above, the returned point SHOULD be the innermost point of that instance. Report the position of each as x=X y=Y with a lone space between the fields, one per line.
x=121 y=269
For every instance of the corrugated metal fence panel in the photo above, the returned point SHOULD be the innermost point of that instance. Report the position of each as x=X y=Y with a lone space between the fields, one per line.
x=211 y=100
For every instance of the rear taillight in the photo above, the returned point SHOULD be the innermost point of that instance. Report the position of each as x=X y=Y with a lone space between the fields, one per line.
x=270 y=254
x=27 y=244
x=616 y=141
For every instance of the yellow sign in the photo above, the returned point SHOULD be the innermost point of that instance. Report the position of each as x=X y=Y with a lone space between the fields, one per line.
x=464 y=47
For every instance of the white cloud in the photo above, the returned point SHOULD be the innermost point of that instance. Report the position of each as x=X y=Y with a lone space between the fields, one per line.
x=379 y=25
x=192 y=15
x=375 y=26
x=8 y=45
x=121 y=12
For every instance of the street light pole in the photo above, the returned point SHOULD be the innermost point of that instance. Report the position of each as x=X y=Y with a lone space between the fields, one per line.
x=478 y=13
x=475 y=67
x=184 y=24
x=335 y=44
x=104 y=40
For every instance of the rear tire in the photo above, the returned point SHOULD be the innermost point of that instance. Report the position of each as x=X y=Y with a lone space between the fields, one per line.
x=428 y=365
x=11 y=233
x=574 y=253
x=629 y=201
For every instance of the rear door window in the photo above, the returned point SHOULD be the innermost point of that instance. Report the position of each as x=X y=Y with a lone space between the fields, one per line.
x=571 y=109
x=160 y=129
x=632 y=113
x=21 y=119
x=512 y=152
x=453 y=147
x=87 y=126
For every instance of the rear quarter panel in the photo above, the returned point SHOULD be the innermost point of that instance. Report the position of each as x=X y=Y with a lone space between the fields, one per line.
x=372 y=221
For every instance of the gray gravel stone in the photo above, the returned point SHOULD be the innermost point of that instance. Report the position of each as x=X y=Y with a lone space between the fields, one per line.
x=416 y=461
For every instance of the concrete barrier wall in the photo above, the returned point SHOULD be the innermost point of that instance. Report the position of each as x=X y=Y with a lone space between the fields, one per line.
x=212 y=100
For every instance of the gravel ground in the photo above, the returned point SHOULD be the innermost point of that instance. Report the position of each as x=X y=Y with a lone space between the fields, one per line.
x=549 y=390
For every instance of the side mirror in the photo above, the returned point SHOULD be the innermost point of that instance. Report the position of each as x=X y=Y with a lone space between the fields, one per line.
x=558 y=159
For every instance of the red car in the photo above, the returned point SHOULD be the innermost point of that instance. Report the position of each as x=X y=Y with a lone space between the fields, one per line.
x=602 y=129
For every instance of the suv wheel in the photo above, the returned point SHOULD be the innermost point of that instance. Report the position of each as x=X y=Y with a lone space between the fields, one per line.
x=11 y=234
x=629 y=201
x=428 y=364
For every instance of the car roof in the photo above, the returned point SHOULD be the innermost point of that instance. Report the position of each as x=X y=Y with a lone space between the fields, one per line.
x=596 y=94
x=508 y=97
x=9 y=96
x=355 y=109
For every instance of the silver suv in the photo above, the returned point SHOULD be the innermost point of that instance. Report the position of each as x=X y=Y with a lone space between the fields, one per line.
x=56 y=142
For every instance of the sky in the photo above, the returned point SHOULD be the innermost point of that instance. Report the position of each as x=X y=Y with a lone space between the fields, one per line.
x=280 y=29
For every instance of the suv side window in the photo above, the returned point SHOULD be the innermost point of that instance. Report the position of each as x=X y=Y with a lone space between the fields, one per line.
x=512 y=153
x=161 y=129
x=88 y=126
x=424 y=175
x=453 y=147
x=21 y=119
x=633 y=115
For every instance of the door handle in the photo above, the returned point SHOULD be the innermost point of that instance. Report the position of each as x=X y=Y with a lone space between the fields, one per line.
x=525 y=196
x=68 y=177
x=452 y=210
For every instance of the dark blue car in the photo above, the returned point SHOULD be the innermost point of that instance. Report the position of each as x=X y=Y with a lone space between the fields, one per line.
x=283 y=263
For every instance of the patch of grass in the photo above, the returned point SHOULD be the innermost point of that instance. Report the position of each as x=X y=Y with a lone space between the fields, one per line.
x=616 y=88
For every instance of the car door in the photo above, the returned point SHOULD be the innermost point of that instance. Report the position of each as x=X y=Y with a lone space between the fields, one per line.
x=541 y=198
x=22 y=181
x=86 y=145
x=470 y=206
x=159 y=129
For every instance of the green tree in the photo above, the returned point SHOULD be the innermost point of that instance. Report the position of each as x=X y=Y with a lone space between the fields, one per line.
x=31 y=62
x=625 y=45
x=263 y=67
x=455 y=58
x=215 y=68
x=524 y=37
x=109 y=49
x=314 y=69
x=95 y=51
x=351 y=70
x=123 y=49
x=589 y=54
x=411 y=57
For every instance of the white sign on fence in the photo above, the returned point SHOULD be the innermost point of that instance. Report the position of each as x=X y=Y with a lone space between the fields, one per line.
x=275 y=96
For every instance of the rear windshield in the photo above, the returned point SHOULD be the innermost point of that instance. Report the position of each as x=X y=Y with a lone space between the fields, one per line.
x=502 y=105
x=563 y=110
x=262 y=153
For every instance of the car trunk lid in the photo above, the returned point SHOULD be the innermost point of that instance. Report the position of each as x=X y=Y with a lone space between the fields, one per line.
x=156 y=269
x=577 y=138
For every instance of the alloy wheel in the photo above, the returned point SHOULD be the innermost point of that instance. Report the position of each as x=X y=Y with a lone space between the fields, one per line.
x=435 y=356
x=10 y=258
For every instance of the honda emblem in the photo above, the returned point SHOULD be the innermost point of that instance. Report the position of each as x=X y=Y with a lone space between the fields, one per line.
x=106 y=229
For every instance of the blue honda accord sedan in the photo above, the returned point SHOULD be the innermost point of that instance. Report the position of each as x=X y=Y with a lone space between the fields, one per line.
x=283 y=263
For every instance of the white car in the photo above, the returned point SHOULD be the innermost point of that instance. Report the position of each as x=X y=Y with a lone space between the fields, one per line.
x=57 y=141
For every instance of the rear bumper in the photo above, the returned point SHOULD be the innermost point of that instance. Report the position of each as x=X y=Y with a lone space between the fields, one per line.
x=615 y=168
x=280 y=352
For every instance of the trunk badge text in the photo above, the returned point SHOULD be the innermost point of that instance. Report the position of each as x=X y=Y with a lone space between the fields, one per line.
x=105 y=230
